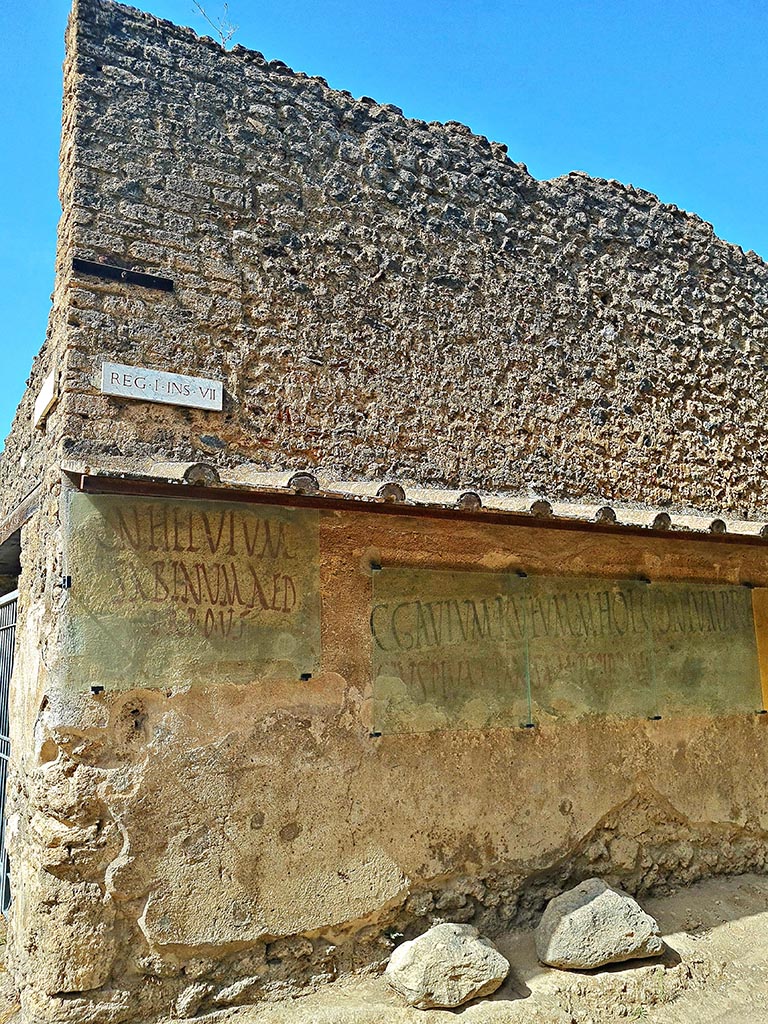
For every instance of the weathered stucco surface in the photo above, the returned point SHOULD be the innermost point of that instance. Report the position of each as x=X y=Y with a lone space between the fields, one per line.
x=199 y=845
x=382 y=298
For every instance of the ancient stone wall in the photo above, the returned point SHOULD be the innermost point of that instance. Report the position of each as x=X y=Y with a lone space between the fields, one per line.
x=389 y=298
x=173 y=847
x=382 y=298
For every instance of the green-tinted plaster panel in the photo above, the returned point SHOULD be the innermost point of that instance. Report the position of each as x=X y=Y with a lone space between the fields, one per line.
x=589 y=648
x=448 y=650
x=167 y=593
x=704 y=649
x=465 y=650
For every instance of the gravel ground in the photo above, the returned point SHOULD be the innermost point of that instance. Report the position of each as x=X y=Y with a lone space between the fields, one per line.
x=715 y=971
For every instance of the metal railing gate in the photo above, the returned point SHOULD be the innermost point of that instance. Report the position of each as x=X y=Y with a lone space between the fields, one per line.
x=8 y=611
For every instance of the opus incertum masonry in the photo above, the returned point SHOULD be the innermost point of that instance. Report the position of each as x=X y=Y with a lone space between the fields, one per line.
x=259 y=729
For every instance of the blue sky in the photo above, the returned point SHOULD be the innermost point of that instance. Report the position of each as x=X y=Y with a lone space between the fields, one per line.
x=669 y=96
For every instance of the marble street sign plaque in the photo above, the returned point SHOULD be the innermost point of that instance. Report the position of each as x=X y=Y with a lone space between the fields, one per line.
x=189 y=592
x=161 y=386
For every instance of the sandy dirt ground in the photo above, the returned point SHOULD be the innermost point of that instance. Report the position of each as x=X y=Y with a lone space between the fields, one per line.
x=715 y=971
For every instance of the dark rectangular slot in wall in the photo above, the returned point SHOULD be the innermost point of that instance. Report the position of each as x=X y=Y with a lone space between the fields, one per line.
x=106 y=270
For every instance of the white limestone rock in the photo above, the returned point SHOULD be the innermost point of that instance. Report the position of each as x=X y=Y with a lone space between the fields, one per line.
x=593 y=925
x=446 y=966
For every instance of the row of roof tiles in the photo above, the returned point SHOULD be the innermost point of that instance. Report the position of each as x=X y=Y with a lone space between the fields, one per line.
x=376 y=492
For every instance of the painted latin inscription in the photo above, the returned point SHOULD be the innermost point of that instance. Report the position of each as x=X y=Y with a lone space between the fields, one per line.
x=221 y=566
x=198 y=591
x=452 y=649
x=448 y=650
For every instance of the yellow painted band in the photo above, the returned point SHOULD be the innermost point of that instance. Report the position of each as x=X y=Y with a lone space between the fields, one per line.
x=760 y=614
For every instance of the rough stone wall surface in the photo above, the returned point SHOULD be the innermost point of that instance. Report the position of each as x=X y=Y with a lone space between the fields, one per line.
x=383 y=298
x=173 y=851
x=389 y=298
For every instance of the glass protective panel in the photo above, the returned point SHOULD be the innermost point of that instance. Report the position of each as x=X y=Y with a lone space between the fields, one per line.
x=448 y=650
x=589 y=648
x=704 y=649
x=474 y=650
x=188 y=592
